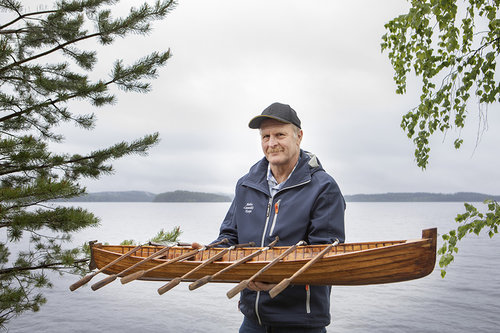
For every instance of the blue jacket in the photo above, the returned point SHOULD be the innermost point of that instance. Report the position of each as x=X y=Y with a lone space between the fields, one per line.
x=309 y=207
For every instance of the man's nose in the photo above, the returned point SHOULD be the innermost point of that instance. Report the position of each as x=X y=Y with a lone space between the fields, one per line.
x=272 y=141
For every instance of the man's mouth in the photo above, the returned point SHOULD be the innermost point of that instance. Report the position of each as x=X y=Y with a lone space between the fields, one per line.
x=274 y=151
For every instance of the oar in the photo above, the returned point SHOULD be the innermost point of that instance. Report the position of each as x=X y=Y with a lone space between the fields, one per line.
x=113 y=277
x=139 y=274
x=88 y=277
x=286 y=281
x=210 y=260
x=208 y=278
x=243 y=284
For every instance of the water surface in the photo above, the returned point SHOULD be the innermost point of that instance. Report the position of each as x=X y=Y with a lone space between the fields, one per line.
x=467 y=299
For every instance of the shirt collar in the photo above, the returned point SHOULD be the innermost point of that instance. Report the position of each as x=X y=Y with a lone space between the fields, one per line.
x=274 y=187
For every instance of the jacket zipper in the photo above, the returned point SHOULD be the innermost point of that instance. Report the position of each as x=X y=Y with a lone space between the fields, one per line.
x=257 y=307
x=268 y=213
x=276 y=209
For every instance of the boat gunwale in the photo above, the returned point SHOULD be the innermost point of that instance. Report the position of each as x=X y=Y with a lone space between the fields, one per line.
x=331 y=255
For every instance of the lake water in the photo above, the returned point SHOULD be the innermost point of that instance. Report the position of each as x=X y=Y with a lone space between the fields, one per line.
x=468 y=299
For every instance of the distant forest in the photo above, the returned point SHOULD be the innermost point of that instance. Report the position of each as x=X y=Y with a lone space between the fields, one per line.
x=422 y=197
x=141 y=196
x=187 y=196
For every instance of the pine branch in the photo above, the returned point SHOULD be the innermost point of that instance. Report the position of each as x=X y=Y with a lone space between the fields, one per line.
x=23 y=16
x=59 y=47
x=124 y=77
x=115 y=151
x=54 y=266
x=13 y=31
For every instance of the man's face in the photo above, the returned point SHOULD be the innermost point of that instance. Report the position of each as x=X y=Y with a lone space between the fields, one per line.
x=280 y=143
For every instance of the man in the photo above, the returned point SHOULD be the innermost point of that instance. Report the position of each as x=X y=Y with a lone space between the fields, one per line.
x=286 y=194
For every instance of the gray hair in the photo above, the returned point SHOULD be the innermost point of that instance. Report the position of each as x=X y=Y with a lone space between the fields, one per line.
x=295 y=128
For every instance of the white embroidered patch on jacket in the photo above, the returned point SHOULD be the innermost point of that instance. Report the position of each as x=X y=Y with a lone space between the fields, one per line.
x=248 y=207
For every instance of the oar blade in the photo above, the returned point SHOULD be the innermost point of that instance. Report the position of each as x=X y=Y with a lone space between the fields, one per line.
x=132 y=277
x=81 y=282
x=239 y=287
x=104 y=282
x=198 y=283
x=169 y=286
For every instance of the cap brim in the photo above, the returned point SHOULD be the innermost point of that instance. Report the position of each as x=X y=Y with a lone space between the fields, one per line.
x=256 y=121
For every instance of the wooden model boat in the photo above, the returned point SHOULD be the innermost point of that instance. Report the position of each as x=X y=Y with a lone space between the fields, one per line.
x=343 y=264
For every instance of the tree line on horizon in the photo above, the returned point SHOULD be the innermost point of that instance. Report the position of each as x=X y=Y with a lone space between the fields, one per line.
x=189 y=196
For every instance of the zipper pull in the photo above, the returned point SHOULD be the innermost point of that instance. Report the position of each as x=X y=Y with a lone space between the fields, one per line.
x=276 y=209
x=268 y=209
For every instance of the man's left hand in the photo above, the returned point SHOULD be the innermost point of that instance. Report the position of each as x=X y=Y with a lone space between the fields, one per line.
x=260 y=286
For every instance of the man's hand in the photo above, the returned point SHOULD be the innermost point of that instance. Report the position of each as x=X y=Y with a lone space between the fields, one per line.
x=260 y=286
x=195 y=245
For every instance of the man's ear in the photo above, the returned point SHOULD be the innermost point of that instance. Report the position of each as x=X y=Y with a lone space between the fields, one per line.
x=300 y=135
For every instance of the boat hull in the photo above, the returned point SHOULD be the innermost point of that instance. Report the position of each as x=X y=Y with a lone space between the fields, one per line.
x=346 y=264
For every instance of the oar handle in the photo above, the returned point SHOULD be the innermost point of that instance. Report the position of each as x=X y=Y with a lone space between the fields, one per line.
x=239 y=287
x=137 y=275
x=169 y=286
x=82 y=281
x=200 y=282
x=104 y=282
x=177 y=280
x=204 y=280
x=286 y=282
x=280 y=287
x=111 y=278
x=132 y=277
x=87 y=278
x=210 y=260
x=243 y=284
x=271 y=245
x=183 y=244
x=224 y=241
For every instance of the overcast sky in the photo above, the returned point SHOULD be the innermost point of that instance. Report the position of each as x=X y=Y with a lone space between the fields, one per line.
x=231 y=59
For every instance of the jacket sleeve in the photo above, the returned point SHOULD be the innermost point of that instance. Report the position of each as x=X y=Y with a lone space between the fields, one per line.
x=327 y=216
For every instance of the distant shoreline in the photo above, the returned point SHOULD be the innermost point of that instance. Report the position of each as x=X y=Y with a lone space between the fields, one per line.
x=422 y=197
x=188 y=196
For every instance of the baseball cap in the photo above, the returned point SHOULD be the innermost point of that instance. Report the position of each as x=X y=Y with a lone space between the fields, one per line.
x=277 y=111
